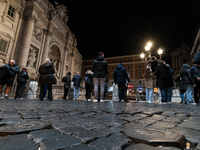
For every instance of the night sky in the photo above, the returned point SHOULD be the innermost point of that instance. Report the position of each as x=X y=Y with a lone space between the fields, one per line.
x=123 y=27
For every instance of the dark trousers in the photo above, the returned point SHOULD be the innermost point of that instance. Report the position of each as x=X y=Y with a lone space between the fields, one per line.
x=122 y=91
x=42 y=92
x=88 y=91
x=20 y=90
x=66 y=90
x=196 y=93
x=164 y=94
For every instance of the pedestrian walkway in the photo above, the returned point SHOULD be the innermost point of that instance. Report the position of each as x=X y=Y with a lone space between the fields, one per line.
x=80 y=125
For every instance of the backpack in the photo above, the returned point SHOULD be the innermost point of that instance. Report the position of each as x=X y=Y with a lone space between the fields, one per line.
x=87 y=80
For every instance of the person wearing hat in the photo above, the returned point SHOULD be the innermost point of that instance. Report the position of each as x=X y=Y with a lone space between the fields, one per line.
x=67 y=80
x=22 y=78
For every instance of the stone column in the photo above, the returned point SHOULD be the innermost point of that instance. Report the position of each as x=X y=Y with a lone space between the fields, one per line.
x=28 y=31
x=46 y=46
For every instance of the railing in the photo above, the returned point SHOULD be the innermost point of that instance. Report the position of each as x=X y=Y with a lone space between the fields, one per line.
x=135 y=90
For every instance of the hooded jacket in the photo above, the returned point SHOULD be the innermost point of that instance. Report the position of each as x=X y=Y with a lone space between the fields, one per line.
x=120 y=74
x=46 y=74
x=100 y=68
x=197 y=58
x=9 y=71
x=185 y=74
x=22 y=77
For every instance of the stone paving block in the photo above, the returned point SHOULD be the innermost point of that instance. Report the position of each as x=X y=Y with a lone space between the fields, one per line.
x=191 y=135
x=88 y=136
x=163 y=125
x=109 y=130
x=80 y=147
x=155 y=137
x=158 y=117
x=169 y=113
x=153 y=112
x=141 y=147
x=116 y=141
x=147 y=121
x=61 y=124
x=17 y=142
x=71 y=130
x=59 y=142
x=2 y=116
x=191 y=124
x=23 y=127
x=10 y=121
x=37 y=136
x=175 y=119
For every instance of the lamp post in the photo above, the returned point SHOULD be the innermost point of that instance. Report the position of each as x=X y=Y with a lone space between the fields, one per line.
x=148 y=58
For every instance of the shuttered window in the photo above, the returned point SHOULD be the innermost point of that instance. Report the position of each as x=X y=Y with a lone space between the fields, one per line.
x=3 y=45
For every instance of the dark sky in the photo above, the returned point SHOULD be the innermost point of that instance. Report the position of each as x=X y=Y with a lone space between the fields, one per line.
x=123 y=27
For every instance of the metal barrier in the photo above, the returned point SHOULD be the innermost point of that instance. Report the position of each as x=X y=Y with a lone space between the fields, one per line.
x=135 y=90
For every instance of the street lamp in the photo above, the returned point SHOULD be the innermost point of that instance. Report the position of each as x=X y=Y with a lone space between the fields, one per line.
x=148 y=59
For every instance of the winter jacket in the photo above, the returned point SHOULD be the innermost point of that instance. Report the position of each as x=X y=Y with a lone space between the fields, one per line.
x=162 y=73
x=9 y=71
x=149 y=81
x=195 y=72
x=67 y=80
x=120 y=74
x=185 y=74
x=180 y=85
x=100 y=67
x=171 y=73
x=22 y=77
x=46 y=74
x=77 y=80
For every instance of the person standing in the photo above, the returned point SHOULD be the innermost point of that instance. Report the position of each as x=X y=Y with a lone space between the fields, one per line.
x=67 y=85
x=149 y=85
x=46 y=72
x=170 y=84
x=100 y=70
x=162 y=79
x=22 y=78
x=181 y=88
x=77 y=82
x=120 y=77
x=88 y=84
x=188 y=83
x=7 y=76
x=195 y=72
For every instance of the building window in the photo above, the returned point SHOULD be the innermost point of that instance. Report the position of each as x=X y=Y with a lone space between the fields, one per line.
x=11 y=11
x=184 y=61
x=139 y=66
x=3 y=45
x=113 y=60
x=113 y=68
x=129 y=67
x=139 y=74
x=120 y=61
x=129 y=59
x=112 y=75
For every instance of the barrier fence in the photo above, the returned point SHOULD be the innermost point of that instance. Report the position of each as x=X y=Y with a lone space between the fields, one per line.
x=135 y=90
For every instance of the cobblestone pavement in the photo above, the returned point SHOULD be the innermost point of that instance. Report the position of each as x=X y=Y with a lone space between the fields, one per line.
x=81 y=125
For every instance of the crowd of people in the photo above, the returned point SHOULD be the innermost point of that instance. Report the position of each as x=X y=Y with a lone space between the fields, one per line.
x=96 y=79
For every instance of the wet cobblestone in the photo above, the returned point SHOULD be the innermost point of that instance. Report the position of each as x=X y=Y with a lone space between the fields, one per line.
x=67 y=124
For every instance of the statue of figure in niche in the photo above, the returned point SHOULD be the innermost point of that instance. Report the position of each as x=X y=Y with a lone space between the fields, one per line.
x=31 y=58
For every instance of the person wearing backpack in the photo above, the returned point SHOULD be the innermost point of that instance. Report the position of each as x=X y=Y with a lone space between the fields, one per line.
x=162 y=78
x=67 y=81
x=181 y=88
x=88 y=85
x=22 y=78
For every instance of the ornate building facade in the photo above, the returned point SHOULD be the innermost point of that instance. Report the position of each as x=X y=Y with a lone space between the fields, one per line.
x=33 y=30
x=180 y=56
